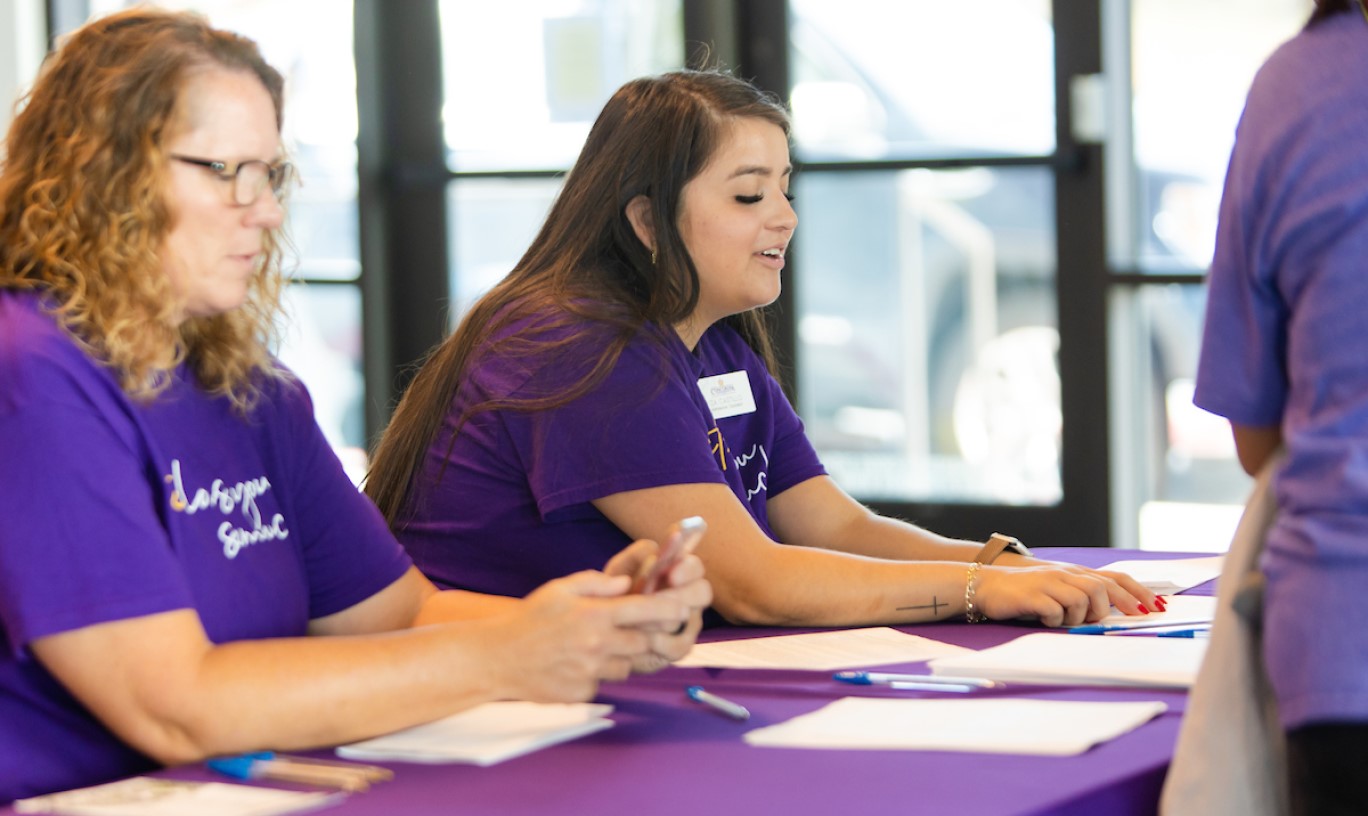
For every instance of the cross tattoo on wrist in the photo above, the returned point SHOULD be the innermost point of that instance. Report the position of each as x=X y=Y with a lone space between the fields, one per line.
x=934 y=606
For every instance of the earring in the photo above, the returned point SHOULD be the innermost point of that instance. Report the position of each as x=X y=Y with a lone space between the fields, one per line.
x=653 y=257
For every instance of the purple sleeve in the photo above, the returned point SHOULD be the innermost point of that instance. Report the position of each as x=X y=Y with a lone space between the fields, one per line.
x=644 y=426
x=793 y=460
x=349 y=552
x=1241 y=372
x=81 y=541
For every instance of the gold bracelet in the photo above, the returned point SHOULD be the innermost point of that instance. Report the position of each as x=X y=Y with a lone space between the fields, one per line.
x=971 y=614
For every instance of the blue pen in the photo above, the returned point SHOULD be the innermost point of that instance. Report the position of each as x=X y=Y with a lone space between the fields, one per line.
x=733 y=710
x=1102 y=629
x=916 y=682
x=244 y=766
x=1187 y=633
x=347 y=776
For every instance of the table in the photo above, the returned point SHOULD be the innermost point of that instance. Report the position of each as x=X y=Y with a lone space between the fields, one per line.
x=667 y=755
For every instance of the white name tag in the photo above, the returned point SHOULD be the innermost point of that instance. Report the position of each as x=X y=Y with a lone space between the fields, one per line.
x=728 y=394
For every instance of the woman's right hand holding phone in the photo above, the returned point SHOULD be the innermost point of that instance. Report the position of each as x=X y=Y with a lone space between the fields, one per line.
x=670 y=572
x=573 y=632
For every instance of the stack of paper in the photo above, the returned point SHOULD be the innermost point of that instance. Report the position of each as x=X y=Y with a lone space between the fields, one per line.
x=1083 y=660
x=1181 y=610
x=1171 y=575
x=485 y=734
x=819 y=651
x=1048 y=727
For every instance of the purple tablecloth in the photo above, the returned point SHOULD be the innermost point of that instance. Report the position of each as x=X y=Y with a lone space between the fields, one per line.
x=667 y=755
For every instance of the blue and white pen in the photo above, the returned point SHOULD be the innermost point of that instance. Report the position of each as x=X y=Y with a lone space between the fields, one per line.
x=347 y=776
x=915 y=682
x=733 y=710
x=1110 y=628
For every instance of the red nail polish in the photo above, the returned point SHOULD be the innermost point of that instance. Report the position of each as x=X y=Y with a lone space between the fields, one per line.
x=1159 y=602
x=1143 y=610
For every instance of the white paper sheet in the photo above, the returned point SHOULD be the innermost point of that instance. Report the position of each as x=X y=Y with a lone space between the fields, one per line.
x=1065 y=659
x=1000 y=726
x=1171 y=575
x=838 y=649
x=147 y=796
x=486 y=734
x=1179 y=609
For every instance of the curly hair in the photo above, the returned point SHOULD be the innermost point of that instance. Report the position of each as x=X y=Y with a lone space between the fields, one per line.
x=84 y=217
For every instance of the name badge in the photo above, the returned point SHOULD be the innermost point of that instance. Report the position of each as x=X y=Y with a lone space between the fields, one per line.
x=729 y=394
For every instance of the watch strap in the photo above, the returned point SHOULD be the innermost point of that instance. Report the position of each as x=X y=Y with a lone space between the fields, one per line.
x=997 y=545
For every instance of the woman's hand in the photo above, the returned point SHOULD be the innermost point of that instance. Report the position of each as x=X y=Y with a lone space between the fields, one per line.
x=685 y=583
x=1060 y=594
x=573 y=632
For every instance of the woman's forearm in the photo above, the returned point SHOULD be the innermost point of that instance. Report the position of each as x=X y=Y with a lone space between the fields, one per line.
x=186 y=699
x=161 y=686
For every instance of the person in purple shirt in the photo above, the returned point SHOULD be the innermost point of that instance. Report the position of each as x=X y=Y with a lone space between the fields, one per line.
x=1284 y=359
x=175 y=530
x=619 y=379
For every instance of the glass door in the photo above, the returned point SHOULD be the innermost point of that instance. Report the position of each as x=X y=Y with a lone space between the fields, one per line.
x=1185 y=72
x=927 y=327
x=509 y=142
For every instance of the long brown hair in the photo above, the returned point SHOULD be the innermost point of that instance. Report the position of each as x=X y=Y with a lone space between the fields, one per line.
x=83 y=213
x=586 y=268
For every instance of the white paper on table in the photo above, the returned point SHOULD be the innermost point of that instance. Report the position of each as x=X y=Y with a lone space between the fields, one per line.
x=1065 y=659
x=486 y=734
x=838 y=649
x=1171 y=575
x=148 y=796
x=1193 y=610
x=998 y=726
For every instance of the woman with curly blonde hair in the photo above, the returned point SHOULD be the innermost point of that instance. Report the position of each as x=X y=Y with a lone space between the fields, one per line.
x=175 y=528
x=82 y=213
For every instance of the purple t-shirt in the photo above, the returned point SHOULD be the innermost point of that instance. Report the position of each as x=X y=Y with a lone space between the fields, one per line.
x=1285 y=345
x=113 y=509
x=511 y=509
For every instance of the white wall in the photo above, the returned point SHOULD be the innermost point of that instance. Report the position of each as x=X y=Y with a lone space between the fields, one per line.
x=22 y=44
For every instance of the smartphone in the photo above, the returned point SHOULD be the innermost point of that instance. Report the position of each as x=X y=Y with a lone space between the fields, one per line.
x=683 y=538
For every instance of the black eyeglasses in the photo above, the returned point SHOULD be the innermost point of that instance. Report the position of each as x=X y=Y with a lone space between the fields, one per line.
x=249 y=178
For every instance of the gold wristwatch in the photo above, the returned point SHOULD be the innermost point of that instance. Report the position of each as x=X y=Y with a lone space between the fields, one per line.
x=997 y=545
